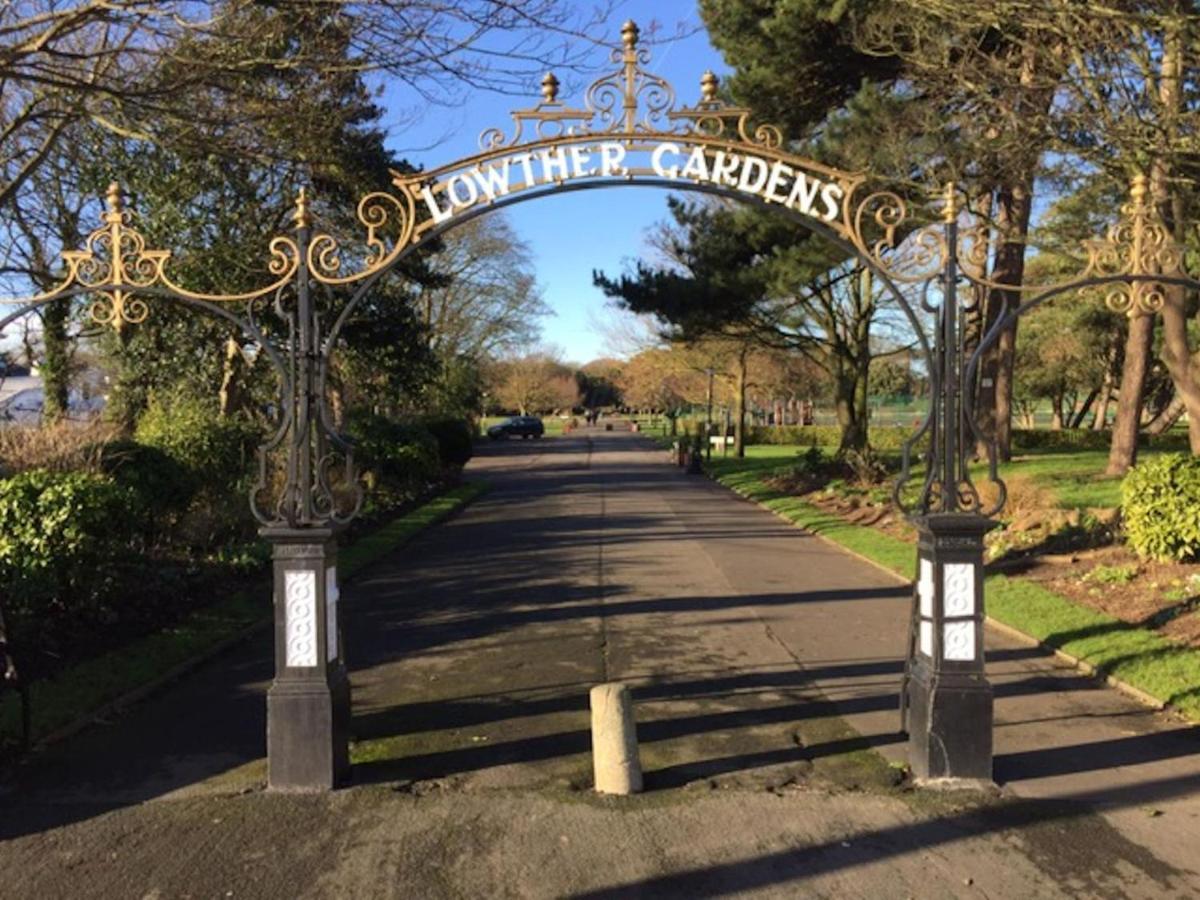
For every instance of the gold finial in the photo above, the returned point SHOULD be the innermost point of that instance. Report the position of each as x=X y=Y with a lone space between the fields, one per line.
x=550 y=88
x=709 y=83
x=629 y=34
x=113 y=198
x=950 y=211
x=301 y=216
x=1137 y=190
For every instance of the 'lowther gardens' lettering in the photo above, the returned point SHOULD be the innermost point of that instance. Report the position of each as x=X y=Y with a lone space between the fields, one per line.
x=771 y=180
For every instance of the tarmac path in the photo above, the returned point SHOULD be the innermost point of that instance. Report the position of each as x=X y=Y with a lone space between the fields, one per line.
x=764 y=663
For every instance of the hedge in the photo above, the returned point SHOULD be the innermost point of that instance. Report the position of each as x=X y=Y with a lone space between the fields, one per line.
x=892 y=437
x=59 y=535
x=455 y=440
x=887 y=438
x=398 y=461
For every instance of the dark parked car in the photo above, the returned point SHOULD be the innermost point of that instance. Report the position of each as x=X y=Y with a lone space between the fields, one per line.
x=517 y=426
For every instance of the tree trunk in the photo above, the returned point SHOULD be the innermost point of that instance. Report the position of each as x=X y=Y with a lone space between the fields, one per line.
x=845 y=405
x=1013 y=207
x=1177 y=357
x=1183 y=366
x=1056 y=413
x=56 y=361
x=1084 y=408
x=739 y=428
x=230 y=394
x=1123 y=452
x=1100 y=422
x=1014 y=204
x=1168 y=417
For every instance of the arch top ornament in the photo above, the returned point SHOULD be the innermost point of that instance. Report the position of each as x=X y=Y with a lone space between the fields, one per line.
x=628 y=102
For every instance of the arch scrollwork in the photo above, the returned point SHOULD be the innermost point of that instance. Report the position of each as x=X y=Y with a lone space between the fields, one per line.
x=377 y=212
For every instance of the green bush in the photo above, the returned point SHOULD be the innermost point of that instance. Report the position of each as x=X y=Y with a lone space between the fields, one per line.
x=454 y=439
x=218 y=456
x=398 y=460
x=160 y=487
x=1160 y=507
x=59 y=533
x=216 y=450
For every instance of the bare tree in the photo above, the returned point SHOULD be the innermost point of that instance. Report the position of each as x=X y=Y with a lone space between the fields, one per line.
x=490 y=304
x=534 y=383
x=138 y=68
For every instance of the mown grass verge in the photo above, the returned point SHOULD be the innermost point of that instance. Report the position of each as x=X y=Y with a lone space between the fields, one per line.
x=1134 y=655
x=83 y=690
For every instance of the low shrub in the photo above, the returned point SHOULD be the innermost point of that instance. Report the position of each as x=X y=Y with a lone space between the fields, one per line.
x=216 y=450
x=60 y=533
x=454 y=439
x=1159 y=502
x=887 y=439
x=160 y=486
x=1086 y=439
x=398 y=460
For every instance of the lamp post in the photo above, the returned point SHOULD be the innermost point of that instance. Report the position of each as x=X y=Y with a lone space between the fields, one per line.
x=708 y=418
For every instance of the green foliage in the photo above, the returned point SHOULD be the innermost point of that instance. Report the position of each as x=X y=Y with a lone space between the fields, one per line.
x=216 y=450
x=216 y=453
x=399 y=461
x=159 y=486
x=888 y=439
x=1086 y=439
x=59 y=532
x=1111 y=575
x=454 y=440
x=1159 y=500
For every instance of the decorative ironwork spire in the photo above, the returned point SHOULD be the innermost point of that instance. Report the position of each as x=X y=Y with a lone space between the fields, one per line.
x=950 y=210
x=113 y=201
x=302 y=217
x=629 y=37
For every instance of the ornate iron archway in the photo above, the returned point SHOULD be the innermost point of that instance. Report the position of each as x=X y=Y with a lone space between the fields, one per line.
x=629 y=131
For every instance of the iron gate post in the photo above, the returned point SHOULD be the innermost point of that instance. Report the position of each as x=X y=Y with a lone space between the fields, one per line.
x=308 y=704
x=949 y=699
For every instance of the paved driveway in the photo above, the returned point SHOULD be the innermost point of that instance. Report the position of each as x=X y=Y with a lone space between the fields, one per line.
x=764 y=663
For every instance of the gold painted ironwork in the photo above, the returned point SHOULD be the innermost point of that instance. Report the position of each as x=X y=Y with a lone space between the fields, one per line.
x=115 y=266
x=635 y=108
x=1139 y=245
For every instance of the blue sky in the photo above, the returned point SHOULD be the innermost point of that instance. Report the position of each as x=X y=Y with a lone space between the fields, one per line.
x=570 y=234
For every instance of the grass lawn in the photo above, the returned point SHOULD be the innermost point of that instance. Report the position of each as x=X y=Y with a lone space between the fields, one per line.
x=1075 y=477
x=1135 y=655
x=82 y=689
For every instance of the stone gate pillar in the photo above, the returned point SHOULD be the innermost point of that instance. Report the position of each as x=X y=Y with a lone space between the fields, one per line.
x=949 y=698
x=308 y=704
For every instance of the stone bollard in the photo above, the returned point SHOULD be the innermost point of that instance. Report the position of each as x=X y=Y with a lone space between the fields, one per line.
x=614 y=741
